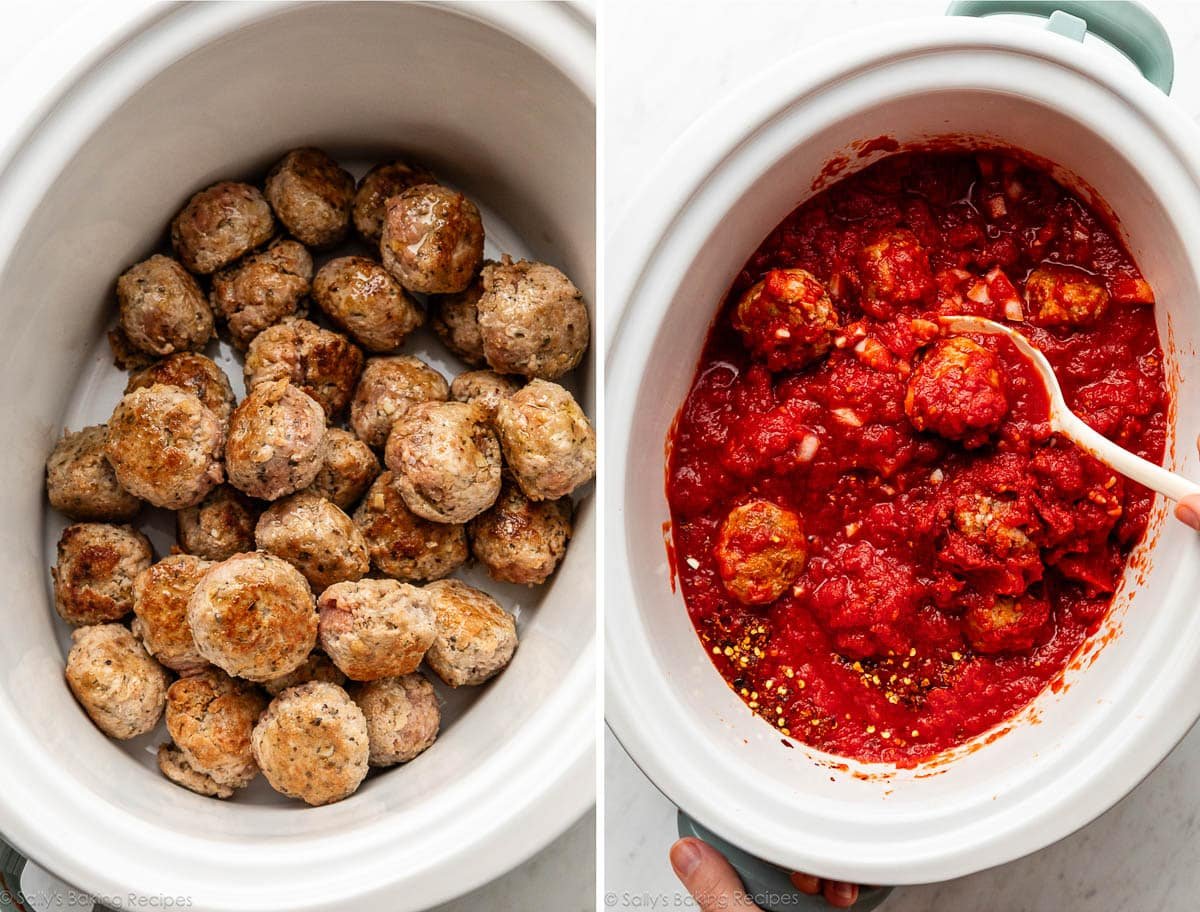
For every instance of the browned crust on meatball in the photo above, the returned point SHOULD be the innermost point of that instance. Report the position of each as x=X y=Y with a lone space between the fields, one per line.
x=317 y=667
x=375 y=628
x=115 y=680
x=162 y=309
x=403 y=545
x=276 y=441
x=160 y=600
x=173 y=765
x=262 y=289
x=81 y=483
x=432 y=239
x=312 y=196
x=218 y=527
x=388 y=389
x=361 y=298
x=402 y=717
x=483 y=388
x=519 y=540
x=476 y=638
x=381 y=183
x=347 y=471
x=455 y=319
x=219 y=224
x=97 y=565
x=323 y=364
x=192 y=373
x=548 y=442
x=315 y=537
x=210 y=717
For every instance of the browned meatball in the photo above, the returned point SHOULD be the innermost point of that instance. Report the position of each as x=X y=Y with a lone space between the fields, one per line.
x=81 y=483
x=312 y=743
x=532 y=320
x=262 y=289
x=363 y=299
x=1064 y=296
x=375 y=628
x=165 y=446
x=957 y=391
x=348 y=470
x=218 y=527
x=93 y=577
x=315 y=537
x=1009 y=624
x=210 y=717
x=175 y=767
x=312 y=196
x=787 y=319
x=381 y=183
x=519 y=540
x=317 y=667
x=476 y=638
x=219 y=224
x=276 y=441
x=446 y=460
x=115 y=680
x=402 y=717
x=548 y=442
x=760 y=551
x=432 y=239
x=483 y=388
x=894 y=270
x=323 y=364
x=163 y=310
x=253 y=616
x=403 y=545
x=160 y=600
x=455 y=319
x=194 y=374
x=388 y=388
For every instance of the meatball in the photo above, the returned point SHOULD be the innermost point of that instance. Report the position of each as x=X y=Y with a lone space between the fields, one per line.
x=1008 y=624
x=483 y=388
x=253 y=616
x=989 y=521
x=162 y=308
x=164 y=445
x=321 y=363
x=432 y=239
x=520 y=540
x=263 y=289
x=218 y=527
x=361 y=298
x=115 y=680
x=455 y=319
x=348 y=470
x=446 y=460
x=403 y=545
x=1064 y=296
x=376 y=628
x=315 y=537
x=402 y=717
x=194 y=374
x=312 y=196
x=476 y=638
x=317 y=667
x=381 y=183
x=81 y=483
x=210 y=717
x=893 y=270
x=93 y=576
x=175 y=767
x=957 y=391
x=787 y=319
x=312 y=743
x=388 y=388
x=276 y=441
x=760 y=551
x=160 y=601
x=532 y=320
x=219 y=224
x=548 y=442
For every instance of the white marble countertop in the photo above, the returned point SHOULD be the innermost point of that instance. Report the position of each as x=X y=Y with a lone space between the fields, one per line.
x=666 y=62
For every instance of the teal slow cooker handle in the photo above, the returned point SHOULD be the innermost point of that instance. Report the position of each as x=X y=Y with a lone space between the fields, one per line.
x=771 y=886
x=1129 y=27
x=12 y=899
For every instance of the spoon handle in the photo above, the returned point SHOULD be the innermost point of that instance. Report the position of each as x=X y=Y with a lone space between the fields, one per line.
x=1168 y=484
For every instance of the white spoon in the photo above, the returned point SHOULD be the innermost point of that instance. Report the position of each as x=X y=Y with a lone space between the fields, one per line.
x=1065 y=422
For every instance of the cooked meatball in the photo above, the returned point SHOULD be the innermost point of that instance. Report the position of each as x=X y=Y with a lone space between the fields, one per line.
x=988 y=521
x=312 y=743
x=455 y=319
x=760 y=551
x=446 y=460
x=160 y=601
x=164 y=445
x=253 y=616
x=432 y=239
x=1064 y=296
x=1007 y=625
x=317 y=667
x=219 y=224
x=381 y=183
x=218 y=527
x=81 y=483
x=175 y=767
x=93 y=577
x=375 y=628
x=162 y=308
x=548 y=441
x=388 y=388
x=348 y=470
x=315 y=537
x=115 y=680
x=210 y=717
x=276 y=441
x=262 y=289
x=894 y=270
x=957 y=391
x=402 y=717
x=403 y=545
x=483 y=388
x=361 y=298
x=192 y=373
x=787 y=319
x=532 y=320
x=476 y=638
x=312 y=196
x=321 y=363
x=520 y=540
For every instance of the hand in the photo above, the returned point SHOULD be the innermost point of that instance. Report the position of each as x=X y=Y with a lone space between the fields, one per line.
x=716 y=888
x=1187 y=511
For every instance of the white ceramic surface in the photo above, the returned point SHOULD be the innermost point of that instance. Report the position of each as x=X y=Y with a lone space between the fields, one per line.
x=499 y=100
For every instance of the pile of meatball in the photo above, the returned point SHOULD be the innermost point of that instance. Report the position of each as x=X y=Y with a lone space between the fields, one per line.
x=287 y=629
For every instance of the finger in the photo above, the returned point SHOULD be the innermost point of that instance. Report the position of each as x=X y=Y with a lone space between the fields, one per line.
x=708 y=877
x=840 y=895
x=1187 y=511
x=806 y=883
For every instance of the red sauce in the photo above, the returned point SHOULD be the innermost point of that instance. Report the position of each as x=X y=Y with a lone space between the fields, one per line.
x=870 y=653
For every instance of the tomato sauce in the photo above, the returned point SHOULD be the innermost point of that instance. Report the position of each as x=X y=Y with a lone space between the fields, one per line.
x=869 y=653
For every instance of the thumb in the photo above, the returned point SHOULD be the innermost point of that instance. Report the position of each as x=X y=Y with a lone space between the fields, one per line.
x=1187 y=511
x=708 y=877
